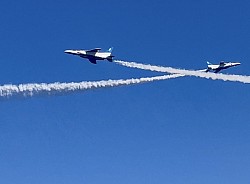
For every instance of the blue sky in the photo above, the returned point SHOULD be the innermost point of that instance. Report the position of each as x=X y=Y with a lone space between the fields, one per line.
x=185 y=130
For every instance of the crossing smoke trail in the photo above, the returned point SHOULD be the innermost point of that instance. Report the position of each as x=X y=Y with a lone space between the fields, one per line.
x=200 y=73
x=28 y=90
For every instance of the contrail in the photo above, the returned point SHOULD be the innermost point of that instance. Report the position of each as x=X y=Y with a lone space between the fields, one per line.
x=28 y=90
x=200 y=73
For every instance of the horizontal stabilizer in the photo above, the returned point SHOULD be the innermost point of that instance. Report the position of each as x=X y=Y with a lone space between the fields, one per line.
x=110 y=58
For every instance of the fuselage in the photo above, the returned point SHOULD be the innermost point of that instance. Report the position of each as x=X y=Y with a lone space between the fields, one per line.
x=84 y=54
x=221 y=66
x=93 y=54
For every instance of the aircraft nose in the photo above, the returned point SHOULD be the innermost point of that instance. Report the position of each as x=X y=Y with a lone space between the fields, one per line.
x=67 y=51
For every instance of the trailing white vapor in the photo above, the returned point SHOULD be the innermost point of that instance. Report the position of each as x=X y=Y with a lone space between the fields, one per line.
x=200 y=73
x=28 y=90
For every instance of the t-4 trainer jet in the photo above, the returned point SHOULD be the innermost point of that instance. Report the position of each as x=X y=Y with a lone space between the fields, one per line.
x=93 y=54
x=223 y=65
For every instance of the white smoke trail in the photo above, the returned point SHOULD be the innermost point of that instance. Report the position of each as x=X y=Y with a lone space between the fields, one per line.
x=28 y=90
x=200 y=73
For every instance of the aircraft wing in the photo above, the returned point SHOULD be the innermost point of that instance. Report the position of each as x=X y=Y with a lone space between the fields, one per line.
x=94 y=50
x=217 y=70
x=92 y=60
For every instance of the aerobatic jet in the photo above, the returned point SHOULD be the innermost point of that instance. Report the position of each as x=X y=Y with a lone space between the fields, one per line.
x=223 y=65
x=93 y=54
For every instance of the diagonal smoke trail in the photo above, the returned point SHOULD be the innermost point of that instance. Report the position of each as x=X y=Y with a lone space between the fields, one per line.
x=28 y=90
x=200 y=73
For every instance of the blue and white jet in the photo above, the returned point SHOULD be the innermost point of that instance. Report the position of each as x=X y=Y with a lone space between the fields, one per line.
x=223 y=65
x=93 y=54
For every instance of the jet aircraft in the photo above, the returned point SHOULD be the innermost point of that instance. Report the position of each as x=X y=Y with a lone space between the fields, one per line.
x=93 y=54
x=223 y=65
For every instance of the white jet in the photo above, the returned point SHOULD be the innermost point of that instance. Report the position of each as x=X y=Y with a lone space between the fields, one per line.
x=223 y=65
x=93 y=54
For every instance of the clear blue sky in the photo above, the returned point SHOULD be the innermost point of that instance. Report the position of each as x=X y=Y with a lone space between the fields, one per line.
x=186 y=130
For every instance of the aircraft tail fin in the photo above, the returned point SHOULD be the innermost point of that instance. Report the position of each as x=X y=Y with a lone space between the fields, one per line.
x=110 y=49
